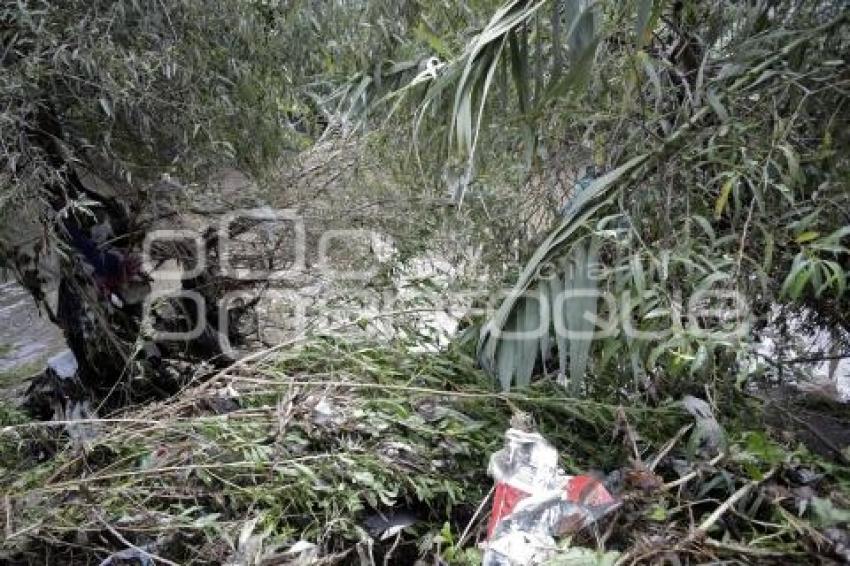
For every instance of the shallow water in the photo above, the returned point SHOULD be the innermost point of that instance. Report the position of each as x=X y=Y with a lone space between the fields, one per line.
x=798 y=341
x=26 y=337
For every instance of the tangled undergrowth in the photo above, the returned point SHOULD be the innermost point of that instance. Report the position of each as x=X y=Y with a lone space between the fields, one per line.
x=345 y=452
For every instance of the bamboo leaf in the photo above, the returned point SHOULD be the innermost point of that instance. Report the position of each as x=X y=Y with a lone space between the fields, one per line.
x=557 y=41
x=506 y=364
x=709 y=281
x=793 y=162
x=105 y=106
x=797 y=277
x=638 y=276
x=642 y=29
x=583 y=43
x=769 y=247
x=519 y=72
x=559 y=288
x=583 y=28
x=528 y=346
x=706 y=227
x=725 y=191
x=545 y=290
x=585 y=315
x=717 y=106
x=807 y=236
x=577 y=215
x=653 y=78
x=700 y=359
x=491 y=71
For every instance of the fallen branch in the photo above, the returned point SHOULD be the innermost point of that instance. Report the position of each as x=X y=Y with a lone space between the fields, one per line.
x=741 y=549
x=142 y=551
x=720 y=511
x=688 y=477
x=475 y=516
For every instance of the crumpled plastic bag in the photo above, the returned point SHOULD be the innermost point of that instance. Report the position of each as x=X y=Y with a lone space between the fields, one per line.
x=535 y=501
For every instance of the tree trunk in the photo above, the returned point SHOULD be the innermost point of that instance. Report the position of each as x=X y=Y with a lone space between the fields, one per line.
x=101 y=288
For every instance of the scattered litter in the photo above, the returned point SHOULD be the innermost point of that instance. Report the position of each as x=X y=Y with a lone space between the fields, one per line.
x=323 y=412
x=578 y=556
x=383 y=527
x=302 y=552
x=64 y=365
x=535 y=501
x=708 y=439
x=249 y=546
x=143 y=557
x=229 y=392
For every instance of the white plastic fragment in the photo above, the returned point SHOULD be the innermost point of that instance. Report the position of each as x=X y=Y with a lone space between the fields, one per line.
x=303 y=552
x=323 y=412
x=64 y=365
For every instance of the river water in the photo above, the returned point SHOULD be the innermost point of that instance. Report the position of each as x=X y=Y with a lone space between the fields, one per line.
x=27 y=339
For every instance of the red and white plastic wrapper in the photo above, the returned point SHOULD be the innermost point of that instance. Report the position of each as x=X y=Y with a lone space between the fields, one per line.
x=534 y=502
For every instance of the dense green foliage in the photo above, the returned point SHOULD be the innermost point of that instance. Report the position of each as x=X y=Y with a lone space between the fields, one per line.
x=109 y=72
x=316 y=446
x=721 y=172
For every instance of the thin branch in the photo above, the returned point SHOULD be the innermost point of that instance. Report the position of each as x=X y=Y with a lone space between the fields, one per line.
x=720 y=511
x=474 y=517
x=129 y=544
